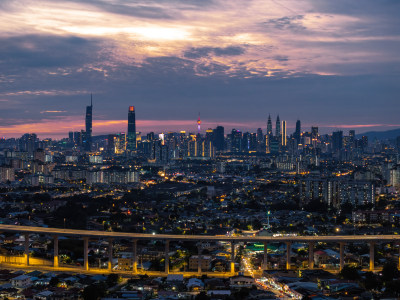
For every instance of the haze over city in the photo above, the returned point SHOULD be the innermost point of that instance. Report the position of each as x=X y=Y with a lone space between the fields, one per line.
x=330 y=64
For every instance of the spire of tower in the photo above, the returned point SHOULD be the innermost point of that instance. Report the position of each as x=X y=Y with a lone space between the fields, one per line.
x=198 y=124
x=91 y=100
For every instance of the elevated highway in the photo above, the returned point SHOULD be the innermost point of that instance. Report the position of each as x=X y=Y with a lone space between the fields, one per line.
x=175 y=237
x=86 y=235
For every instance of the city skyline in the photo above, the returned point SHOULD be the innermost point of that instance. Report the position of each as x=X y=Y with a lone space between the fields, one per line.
x=189 y=126
x=232 y=62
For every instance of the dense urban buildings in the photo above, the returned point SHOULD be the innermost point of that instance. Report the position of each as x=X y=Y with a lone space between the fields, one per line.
x=286 y=185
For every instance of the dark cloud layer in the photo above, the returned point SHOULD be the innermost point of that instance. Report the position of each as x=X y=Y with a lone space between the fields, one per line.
x=218 y=51
x=38 y=51
x=286 y=23
x=151 y=9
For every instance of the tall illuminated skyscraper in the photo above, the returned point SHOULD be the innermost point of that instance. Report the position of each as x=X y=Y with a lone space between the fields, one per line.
x=88 y=123
x=131 y=138
x=284 y=133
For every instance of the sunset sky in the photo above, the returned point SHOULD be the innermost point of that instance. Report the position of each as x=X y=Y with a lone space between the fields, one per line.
x=333 y=64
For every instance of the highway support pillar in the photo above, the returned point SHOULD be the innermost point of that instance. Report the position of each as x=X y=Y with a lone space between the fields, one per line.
x=371 y=256
x=26 y=249
x=167 y=257
x=110 y=254
x=56 y=261
x=199 y=260
x=85 y=253
x=311 y=255
x=288 y=249
x=232 y=257
x=134 y=256
x=341 y=265
x=265 y=263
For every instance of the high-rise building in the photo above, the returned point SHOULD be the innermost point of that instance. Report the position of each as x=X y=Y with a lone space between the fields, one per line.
x=364 y=141
x=278 y=128
x=297 y=133
x=314 y=135
x=337 y=140
x=219 y=138
x=150 y=136
x=236 y=140
x=284 y=141
x=29 y=142
x=314 y=132
x=246 y=142
x=120 y=143
x=260 y=140
x=88 y=123
x=269 y=126
x=71 y=137
x=267 y=142
x=352 y=134
x=352 y=137
x=131 y=137
x=111 y=143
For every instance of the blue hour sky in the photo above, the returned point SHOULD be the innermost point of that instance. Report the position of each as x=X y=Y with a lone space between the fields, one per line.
x=332 y=64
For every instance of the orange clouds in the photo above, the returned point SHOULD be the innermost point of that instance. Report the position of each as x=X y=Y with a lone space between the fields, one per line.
x=135 y=31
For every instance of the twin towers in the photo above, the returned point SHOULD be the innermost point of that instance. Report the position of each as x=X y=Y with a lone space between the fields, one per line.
x=280 y=130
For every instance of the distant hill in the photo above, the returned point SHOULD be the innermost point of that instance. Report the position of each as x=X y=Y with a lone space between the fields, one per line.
x=381 y=135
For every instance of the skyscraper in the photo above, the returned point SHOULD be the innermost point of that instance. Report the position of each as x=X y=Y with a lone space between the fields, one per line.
x=236 y=140
x=88 y=123
x=337 y=140
x=260 y=140
x=131 y=138
x=278 y=128
x=314 y=132
x=71 y=137
x=352 y=137
x=269 y=126
x=284 y=141
x=219 y=138
x=297 y=133
x=314 y=135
